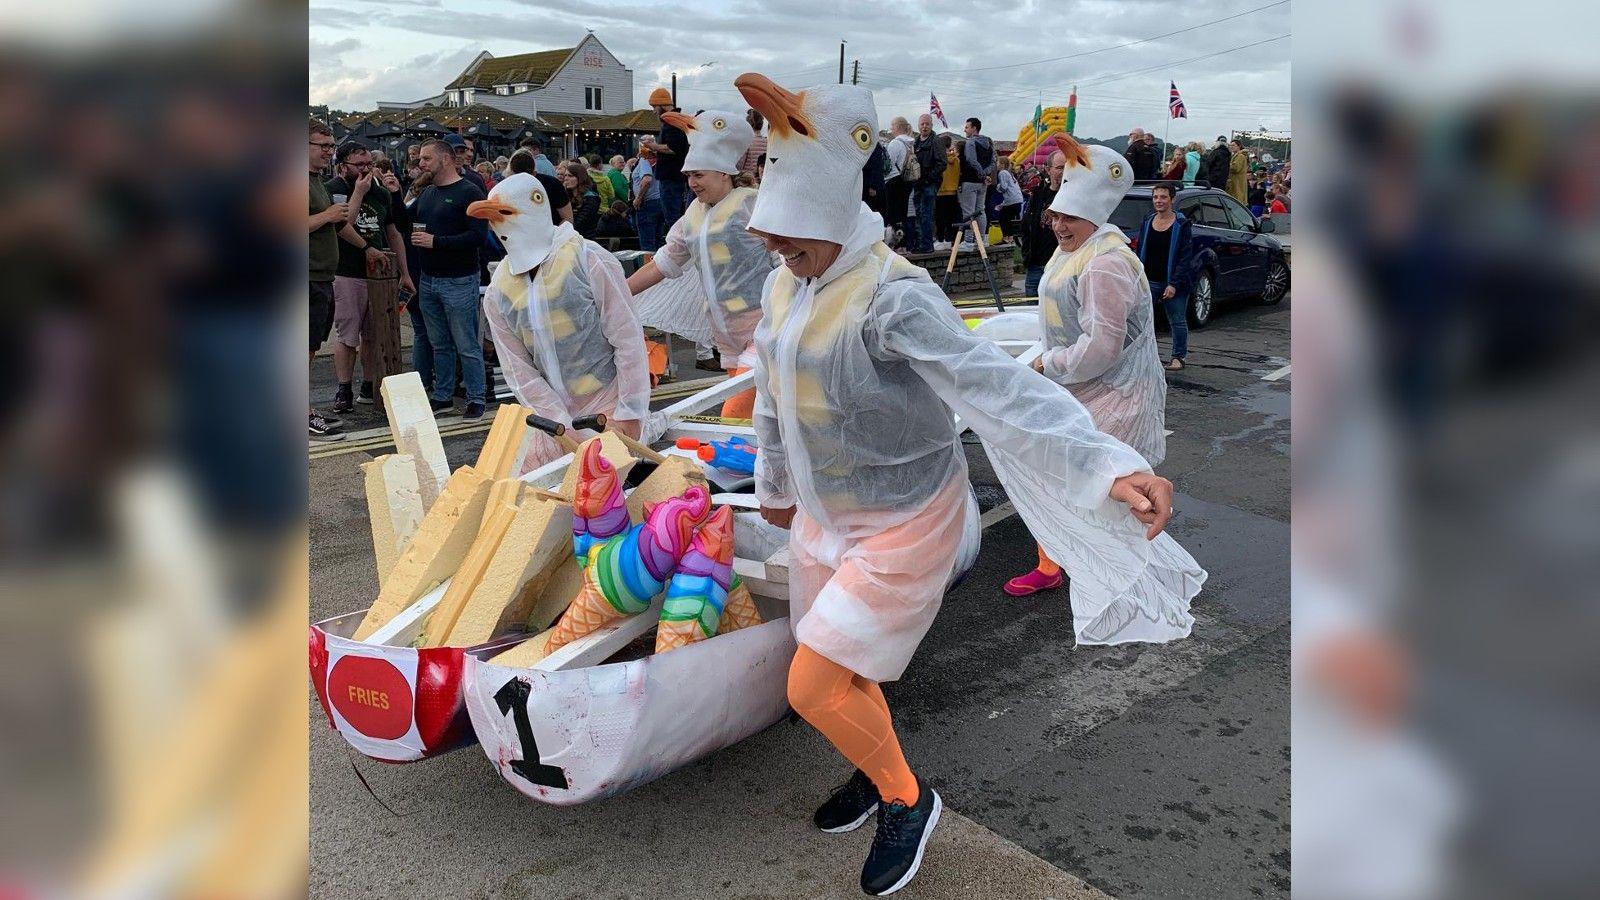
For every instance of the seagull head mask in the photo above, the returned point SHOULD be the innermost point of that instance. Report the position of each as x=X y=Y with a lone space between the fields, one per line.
x=819 y=140
x=518 y=212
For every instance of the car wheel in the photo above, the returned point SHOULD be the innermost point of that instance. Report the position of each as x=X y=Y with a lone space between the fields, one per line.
x=1277 y=286
x=1201 y=300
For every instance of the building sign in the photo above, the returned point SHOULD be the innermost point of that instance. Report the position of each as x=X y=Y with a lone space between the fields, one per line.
x=592 y=60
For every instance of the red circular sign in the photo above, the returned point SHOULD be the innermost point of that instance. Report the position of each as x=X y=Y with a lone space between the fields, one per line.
x=372 y=695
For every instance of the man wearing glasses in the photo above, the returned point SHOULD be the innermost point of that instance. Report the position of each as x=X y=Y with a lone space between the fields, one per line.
x=326 y=217
x=1038 y=241
x=369 y=232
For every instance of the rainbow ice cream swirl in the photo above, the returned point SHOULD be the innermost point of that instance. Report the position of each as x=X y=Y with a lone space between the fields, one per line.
x=699 y=589
x=599 y=511
x=626 y=571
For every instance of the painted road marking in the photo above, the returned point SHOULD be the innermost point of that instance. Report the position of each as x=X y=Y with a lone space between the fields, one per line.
x=1274 y=376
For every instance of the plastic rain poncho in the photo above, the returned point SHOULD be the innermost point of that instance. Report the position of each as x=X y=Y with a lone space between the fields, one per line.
x=858 y=374
x=567 y=339
x=1099 y=337
x=715 y=270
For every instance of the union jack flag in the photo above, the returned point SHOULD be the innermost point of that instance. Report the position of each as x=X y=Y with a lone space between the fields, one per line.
x=1175 y=103
x=933 y=107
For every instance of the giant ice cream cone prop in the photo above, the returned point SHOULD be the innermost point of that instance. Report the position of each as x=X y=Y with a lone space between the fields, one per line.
x=699 y=588
x=740 y=610
x=599 y=511
x=625 y=572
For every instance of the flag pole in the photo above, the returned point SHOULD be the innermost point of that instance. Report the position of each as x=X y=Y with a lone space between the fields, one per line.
x=1166 y=142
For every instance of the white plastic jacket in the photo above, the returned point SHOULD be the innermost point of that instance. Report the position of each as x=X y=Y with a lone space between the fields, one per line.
x=858 y=374
x=567 y=339
x=1099 y=333
x=726 y=265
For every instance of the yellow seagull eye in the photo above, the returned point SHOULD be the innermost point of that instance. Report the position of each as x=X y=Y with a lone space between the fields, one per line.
x=537 y=197
x=863 y=136
x=718 y=124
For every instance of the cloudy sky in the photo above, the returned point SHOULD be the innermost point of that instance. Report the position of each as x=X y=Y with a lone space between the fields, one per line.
x=991 y=60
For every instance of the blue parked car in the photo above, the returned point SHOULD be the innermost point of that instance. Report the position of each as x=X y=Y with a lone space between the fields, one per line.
x=1235 y=256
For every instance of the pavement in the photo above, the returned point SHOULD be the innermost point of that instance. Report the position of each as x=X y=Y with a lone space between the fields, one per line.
x=1132 y=771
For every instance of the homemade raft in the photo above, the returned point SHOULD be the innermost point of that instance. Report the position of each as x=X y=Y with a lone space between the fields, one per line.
x=602 y=713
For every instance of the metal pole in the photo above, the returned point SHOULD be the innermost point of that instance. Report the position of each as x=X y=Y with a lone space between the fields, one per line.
x=674 y=88
x=841 y=62
x=855 y=73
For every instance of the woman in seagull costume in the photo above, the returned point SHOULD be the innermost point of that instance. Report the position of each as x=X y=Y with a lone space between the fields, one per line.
x=862 y=365
x=1095 y=317
x=715 y=267
x=561 y=318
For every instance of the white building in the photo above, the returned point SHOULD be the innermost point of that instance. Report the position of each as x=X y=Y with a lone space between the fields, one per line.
x=580 y=82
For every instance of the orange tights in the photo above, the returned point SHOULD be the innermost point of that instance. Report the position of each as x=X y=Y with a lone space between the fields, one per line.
x=1046 y=564
x=850 y=712
x=740 y=406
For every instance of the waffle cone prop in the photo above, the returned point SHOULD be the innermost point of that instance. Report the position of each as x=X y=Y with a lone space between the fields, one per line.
x=740 y=610
x=699 y=589
x=623 y=573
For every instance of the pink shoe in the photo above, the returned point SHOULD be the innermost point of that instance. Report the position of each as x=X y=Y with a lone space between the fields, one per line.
x=1032 y=583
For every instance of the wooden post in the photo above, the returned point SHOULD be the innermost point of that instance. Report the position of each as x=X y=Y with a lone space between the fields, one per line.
x=382 y=333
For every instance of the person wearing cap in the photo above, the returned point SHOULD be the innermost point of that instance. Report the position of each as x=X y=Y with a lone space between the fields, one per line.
x=561 y=318
x=462 y=151
x=671 y=146
x=1096 y=320
x=862 y=366
x=727 y=265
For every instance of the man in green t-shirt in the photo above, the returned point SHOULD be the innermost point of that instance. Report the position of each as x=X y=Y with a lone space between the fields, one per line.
x=619 y=179
x=326 y=217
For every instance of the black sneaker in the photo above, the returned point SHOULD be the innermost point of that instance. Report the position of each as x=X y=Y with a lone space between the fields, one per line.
x=474 y=411
x=343 y=401
x=441 y=405
x=849 y=805
x=711 y=364
x=366 y=393
x=903 y=833
x=322 y=430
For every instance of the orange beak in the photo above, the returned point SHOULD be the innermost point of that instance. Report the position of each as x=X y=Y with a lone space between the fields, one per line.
x=1071 y=149
x=494 y=211
x=780 y=107
x=679 y=121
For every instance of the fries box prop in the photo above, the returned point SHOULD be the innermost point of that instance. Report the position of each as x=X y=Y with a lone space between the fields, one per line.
x=393 y=704
x=573 y=728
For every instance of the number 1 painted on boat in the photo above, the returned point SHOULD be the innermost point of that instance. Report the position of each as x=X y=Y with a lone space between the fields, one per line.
x=513 y=698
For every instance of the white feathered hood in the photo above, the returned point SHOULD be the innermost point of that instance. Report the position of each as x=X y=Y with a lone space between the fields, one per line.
x=819 y=139
x=717 y=140
x=1095 y=180
x=518 y=212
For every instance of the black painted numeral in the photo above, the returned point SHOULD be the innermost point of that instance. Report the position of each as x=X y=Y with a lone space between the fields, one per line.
x=513 y=698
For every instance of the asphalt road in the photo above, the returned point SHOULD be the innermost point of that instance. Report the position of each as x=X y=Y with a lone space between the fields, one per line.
x=1133 y=771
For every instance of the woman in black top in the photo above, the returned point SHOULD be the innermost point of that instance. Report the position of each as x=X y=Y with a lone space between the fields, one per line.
x=585 y=199
x=1166 y=248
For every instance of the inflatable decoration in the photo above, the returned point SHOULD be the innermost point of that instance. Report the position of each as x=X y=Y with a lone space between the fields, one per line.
x=622 y=572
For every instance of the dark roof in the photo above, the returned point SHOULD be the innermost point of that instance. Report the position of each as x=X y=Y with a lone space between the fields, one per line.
x=451 y=117
x=522 y=68
x=640 y=121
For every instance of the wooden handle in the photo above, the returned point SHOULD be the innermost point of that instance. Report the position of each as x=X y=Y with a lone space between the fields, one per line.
x=955 y=246
x=641 y=449
x=983 y=239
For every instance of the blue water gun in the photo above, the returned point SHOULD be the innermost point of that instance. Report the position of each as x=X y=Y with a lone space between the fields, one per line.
x=734 y=454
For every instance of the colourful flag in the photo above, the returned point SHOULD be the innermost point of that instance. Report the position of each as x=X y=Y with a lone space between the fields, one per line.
x=1175 y=103
x=933 y=107
x=1038 y=119
x=1072 y=109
